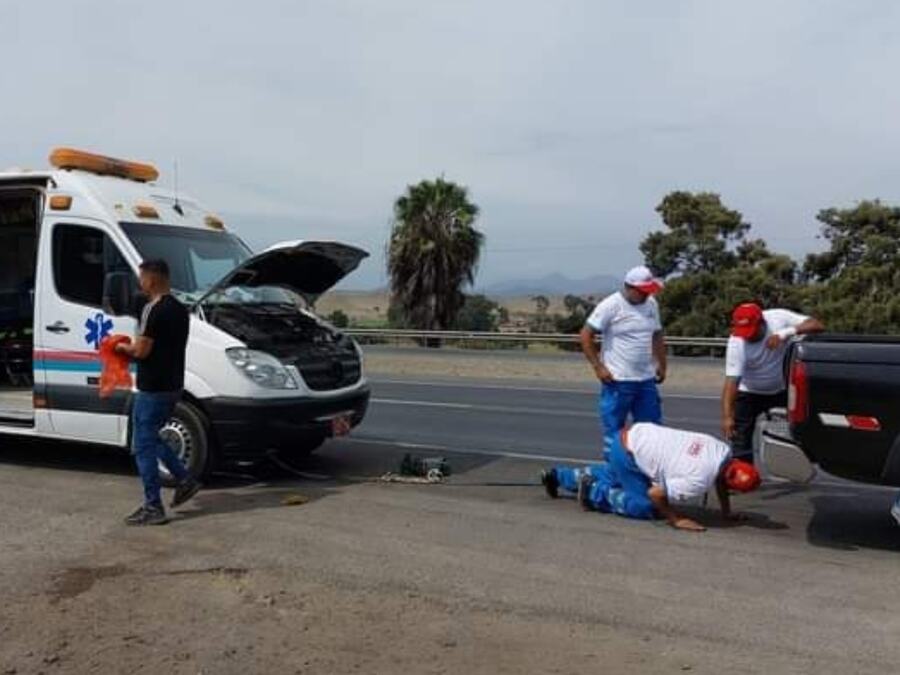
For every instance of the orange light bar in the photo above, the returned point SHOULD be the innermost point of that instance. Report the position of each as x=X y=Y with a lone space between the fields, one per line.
x=145 y=211
x=60 y=202
x=69 y=158
x=214 y=222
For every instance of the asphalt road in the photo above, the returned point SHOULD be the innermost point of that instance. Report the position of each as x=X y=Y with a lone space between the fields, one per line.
x=507 y=418
x=317 y=567
x=552 y=423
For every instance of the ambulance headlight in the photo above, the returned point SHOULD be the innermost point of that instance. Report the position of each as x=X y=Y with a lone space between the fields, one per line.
x=264 y=369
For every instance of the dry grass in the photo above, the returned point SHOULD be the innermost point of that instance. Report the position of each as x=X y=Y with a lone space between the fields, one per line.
x=370 y=307
x=699 y=377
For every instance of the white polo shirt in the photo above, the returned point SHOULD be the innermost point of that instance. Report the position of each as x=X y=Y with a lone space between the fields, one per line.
x=685 y=463
x=760 y=369
x=627 y=331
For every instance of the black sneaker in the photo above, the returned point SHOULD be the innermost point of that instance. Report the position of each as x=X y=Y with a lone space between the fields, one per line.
x=147 y=515
x=585 y=481
x=550 y=482
x=185 y=490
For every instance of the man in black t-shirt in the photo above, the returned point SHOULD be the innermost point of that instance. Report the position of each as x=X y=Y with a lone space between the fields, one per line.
x=158 y=349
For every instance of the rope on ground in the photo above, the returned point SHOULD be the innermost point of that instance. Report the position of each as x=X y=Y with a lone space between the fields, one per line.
x=285 y=466
x=433 y=477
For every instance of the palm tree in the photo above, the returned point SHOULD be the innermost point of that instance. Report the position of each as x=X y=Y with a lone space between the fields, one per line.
x=433 y=252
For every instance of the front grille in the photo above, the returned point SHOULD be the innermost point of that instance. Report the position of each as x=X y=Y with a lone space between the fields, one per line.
x=325 y=366
x=331 y=373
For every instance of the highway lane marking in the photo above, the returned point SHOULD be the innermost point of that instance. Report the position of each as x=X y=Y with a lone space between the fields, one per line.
x=483 y=408
x=507 y=409
x=551 y=390
x=427 y=404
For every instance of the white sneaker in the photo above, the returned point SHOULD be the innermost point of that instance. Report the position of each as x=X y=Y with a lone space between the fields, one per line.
x=895 y=510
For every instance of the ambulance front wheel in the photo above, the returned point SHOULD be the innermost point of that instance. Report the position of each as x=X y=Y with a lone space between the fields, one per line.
x=187 y=433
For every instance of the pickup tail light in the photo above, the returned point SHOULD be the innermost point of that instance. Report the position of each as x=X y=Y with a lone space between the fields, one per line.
x=798 y=393
x=855 y=422
x=864 y=423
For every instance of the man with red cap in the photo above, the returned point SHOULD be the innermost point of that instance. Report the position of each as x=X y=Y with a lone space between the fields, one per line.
x=754 y=369
x=649 y=468
x=633 y=357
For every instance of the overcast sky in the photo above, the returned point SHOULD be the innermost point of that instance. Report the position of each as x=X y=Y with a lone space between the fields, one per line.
x=567 y=120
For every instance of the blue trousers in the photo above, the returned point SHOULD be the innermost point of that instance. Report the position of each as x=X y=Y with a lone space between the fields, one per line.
x=150 y=412
x=618 y=400
x=619 y=486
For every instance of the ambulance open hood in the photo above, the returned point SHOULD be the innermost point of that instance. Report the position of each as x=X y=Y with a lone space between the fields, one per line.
x=308 y=268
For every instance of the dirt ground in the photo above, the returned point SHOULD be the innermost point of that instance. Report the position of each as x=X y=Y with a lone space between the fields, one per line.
x=483 y=575
x=323 y=570
x=370 y=307
x=242 y=583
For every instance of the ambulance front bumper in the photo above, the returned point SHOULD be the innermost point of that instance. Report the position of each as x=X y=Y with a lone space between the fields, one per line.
x=245 y=428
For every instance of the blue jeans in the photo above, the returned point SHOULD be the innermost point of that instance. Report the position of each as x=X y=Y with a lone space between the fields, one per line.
x=633 y=500
x=568 y=477
x=619 y=486
x=150 y=412
x=618 y=400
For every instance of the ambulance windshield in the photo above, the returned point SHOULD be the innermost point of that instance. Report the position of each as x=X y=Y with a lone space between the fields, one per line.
x=197 y=260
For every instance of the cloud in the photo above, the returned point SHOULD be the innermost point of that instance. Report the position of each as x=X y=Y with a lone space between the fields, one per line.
x=567 y=120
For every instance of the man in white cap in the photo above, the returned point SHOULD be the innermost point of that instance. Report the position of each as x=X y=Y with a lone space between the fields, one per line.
x=633 y=358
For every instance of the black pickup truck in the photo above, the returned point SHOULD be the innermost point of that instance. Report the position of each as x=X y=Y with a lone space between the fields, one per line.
x=844 y=405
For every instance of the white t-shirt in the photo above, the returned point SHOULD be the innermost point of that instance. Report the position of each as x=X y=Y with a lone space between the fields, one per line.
x=627 y=336
x=684 y=463
x=760 y=369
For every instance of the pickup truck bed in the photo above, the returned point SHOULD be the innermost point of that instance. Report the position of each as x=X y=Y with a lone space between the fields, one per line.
x=844 y=405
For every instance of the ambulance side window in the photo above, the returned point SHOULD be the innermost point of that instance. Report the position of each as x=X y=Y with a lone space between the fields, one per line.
x=82 y=256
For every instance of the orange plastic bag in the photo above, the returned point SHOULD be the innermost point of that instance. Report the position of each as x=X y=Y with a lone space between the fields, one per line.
x=114 y=373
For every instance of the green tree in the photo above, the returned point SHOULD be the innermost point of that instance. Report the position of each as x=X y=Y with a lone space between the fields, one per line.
x=700 y=234
x=339 y=319
x=711 y=265
x=865 y=235
x=432 y=253
x=854 y=286
x=478 y=313
x=541 y=322
x=395 y=315
x=578 y=311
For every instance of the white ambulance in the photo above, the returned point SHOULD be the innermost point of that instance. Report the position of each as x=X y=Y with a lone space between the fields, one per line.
x=263 y=371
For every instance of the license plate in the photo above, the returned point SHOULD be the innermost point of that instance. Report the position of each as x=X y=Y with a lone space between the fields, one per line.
x=340 y=425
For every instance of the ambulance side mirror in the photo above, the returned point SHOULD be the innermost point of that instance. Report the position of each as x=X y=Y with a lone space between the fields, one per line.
x=118 y=292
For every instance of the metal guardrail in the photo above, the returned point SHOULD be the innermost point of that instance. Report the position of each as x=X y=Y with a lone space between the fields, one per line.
x=470 y=336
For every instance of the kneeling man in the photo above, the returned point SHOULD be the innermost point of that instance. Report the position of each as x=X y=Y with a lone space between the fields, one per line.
x=651 y=466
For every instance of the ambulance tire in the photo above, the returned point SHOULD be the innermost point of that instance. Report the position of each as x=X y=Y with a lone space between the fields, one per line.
x=187 y=431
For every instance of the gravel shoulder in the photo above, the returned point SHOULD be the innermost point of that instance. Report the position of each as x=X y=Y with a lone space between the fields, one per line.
x=700 y=376
x=483 y=575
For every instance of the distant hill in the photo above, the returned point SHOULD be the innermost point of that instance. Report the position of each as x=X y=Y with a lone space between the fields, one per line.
x=553 y=284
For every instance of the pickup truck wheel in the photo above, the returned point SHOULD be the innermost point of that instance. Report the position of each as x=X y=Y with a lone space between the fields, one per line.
x=187 y=434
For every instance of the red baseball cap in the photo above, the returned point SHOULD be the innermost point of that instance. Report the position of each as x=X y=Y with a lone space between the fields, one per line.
x=642 y=279
x=745 y=320
x=741 y=476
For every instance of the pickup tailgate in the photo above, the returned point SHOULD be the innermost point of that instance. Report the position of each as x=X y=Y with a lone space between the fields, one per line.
x=852 y=412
